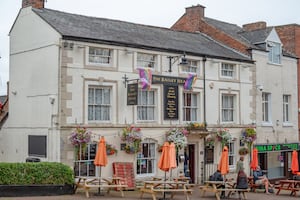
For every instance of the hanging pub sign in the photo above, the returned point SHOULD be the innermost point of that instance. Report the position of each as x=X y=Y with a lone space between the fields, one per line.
x=132 y=94
x=170 y=102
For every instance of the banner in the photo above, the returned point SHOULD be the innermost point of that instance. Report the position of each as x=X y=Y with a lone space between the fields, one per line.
x=145 y=77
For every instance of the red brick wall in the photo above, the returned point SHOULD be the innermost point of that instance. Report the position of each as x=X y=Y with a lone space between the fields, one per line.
x=254 y=26
x=192 y=21
x=33 y=3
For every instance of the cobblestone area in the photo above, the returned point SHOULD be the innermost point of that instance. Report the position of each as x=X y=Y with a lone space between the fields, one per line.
x=136 y=195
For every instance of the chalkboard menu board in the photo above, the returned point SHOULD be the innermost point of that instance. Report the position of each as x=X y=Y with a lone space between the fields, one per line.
x=170 y=102
x=132 y=92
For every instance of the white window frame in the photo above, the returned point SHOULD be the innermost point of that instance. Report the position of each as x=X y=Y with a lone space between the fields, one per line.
x=145 y=105
x=274 y=55
x=101 y=104
x=99 y=56
x=194 y=106
x=151 y=157
x=144 y=60
x=266 y=108
x=228 y=70
x=233 y=108
x=232 y=153
x=287 y=110
x=191 y=67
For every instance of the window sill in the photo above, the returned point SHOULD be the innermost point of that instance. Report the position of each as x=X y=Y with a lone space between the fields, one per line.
x=266 y=124
x=287 y=124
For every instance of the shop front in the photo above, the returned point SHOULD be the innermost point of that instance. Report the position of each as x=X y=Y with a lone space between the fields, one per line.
x=275 y=159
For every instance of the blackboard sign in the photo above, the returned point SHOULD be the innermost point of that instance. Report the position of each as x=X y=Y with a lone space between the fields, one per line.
x=132 y=92
x=170 y=102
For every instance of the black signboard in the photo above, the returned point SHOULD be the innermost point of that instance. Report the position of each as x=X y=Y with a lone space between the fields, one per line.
x=132 y=94
x=170 y=102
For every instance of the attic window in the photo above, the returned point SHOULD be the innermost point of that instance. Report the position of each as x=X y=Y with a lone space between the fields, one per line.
x=274 y=52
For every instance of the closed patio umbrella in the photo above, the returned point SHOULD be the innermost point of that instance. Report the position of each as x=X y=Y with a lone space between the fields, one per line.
x=172 y=152
x=164 y=162
x=101 y=157
x=295 y=162
x=254 y=159
x=223 y=166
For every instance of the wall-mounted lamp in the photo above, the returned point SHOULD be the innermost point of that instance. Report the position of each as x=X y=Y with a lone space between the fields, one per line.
x=182 y=62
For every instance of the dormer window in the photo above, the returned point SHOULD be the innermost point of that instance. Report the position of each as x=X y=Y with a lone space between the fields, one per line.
x=274 y=52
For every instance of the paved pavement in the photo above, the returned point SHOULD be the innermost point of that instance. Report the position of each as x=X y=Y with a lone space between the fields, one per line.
x=284 y=195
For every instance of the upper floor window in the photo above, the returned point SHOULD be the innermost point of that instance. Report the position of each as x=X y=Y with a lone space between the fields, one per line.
x=146 y=158
x=274 y=52
x=99 y=55
x=228 y=70
x=266 y=107
x=146 y=60
x=99 y=104
x=191 y=67
x=190 y=106
x=286 y=108
x=228 y=108
x=146 y=105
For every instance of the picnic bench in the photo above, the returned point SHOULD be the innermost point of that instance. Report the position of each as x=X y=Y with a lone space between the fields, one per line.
x=153 y=187
x=215 y=187
x=252 y=184
x=96 y=182
x=290 y=185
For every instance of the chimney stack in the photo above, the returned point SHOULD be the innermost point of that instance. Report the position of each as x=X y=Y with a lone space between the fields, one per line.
x=195 y=12
x=34 y=3
x=255 y=26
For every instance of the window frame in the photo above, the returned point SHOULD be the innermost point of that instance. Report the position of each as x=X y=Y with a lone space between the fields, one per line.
x=192 y=64
x=275 y=51
x=32 y=145
x=266 y=107
x=152 y=159
x=105 y=64
x=153 y=106
x=101 y=105
x=227 y=73
x=286 y=110
x=232 y=153
x=196 y=107
x=141 y=57
x=233 y=108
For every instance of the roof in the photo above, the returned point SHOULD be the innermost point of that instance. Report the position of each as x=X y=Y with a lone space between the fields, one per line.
x=257 y=36
x=101 y=30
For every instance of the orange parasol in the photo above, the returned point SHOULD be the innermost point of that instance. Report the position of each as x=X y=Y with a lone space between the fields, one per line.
x=223 y=166
x=164 y=161
x=254 y=159
x=295 y=163
x=172 y=152
x=101 y=157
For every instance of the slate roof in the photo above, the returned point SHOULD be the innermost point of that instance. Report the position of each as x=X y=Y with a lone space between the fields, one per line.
x=257 y=36
x=101 y=30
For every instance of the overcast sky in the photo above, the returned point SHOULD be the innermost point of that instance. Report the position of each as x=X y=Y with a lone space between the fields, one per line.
x=162 y=13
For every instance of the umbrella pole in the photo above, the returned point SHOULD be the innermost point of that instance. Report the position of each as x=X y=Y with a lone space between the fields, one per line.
x=99 y=189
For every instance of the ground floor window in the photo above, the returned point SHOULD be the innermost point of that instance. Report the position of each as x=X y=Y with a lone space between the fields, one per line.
x=37 y=145
x=84 y=162
x=146 y=158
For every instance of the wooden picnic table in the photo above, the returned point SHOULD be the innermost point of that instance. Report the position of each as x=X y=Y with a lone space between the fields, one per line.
x=222 y=186
x=87 y=183
x=290 y=185
x=160 y=186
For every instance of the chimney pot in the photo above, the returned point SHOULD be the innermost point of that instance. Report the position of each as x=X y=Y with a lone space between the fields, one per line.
x=34 y=3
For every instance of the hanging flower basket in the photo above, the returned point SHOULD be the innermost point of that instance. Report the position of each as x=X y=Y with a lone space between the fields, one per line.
x=223 y=136
x=178 y=137
x=79 y=138
x=132 y=136
x=248 y=136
